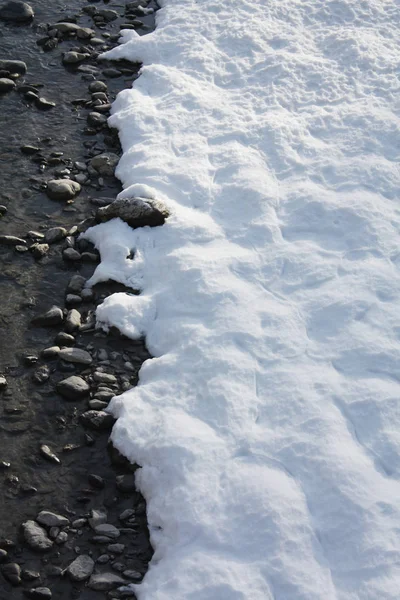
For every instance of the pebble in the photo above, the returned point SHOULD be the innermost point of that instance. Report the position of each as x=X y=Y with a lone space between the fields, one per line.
x=116 y=548
x=126 y=514
x=73 y=300
x=97 y=86
x=17 y=12
x=96 y=481
x=3 y=382
x=134 y=575
x=36 y=537
x=50 y=519
x=104 y=377
x=71 y=254
x=73 y=58
x=39 y=593
x=49 y=454
x=64 y=339
x=81 y=568
x=62 y=189
x=76 y=284
x=105 y=163
x=108 y=15
x=6 y=85
x=97 y=120
x=103 y=582
x=96 y=404
x=28 y=575
x=3 y=555
x=107 y=530
x=103 y=559
x=55 y=234
x=11 y=240
x=3 y=210
x=87 y=295
x=61 y=538
x=13 y=66
x=12 y=572
x=44 y=104
x=54 y=316
x=75 y=355
x=73 y=320
x=51 y=352
x=39 y=250
x=53 y=533
x=111 y=73
x=73 y=388
x=97 y=420
x=137 y=212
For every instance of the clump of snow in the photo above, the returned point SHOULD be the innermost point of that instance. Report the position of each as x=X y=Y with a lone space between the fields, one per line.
x=268 y=423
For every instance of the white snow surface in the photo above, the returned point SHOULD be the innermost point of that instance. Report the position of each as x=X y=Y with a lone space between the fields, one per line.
x=268 y=424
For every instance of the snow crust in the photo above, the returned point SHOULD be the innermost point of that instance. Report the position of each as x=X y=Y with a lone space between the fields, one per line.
x=268 y=423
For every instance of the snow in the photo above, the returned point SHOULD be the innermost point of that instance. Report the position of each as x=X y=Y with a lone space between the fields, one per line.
x=267 y=425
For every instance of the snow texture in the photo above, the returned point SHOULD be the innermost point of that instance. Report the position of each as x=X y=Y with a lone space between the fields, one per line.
x=268 y=423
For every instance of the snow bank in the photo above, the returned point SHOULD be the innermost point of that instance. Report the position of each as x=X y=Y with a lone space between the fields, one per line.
x=268 y=423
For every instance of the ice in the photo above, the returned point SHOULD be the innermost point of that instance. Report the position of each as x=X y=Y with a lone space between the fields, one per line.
x=267 y=425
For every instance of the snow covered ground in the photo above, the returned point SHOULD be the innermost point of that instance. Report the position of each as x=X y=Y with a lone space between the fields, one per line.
x=268 y=423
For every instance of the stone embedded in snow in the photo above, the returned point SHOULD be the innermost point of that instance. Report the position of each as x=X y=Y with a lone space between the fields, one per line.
x=81 y=568
x=108 y=530
x=103 y=582
x=36 y=537
x=97 y=420
x=137 y=212
x=62 y=189
x=18 y=12
x=105 y=163
x=73 y=388
x=75 y=355
x=50 y=519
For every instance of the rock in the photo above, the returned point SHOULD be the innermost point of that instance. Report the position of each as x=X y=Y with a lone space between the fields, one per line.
x=53 y=533
x=96 y=120
x=97 y=86
x=73 y=388
x=108 y=15
x=12 y=572
x=81 y=568
x=51 y=352
x=62 y=189
x=96 y=404
x=107 y=530
x=41 y=375
x=105 y=163
x=11 y=240
x=39 y=593
x=39 y=250
x=3 y=555
x=103 y=559
x=28 y=575
x=50 y=519
x=98 y=516
x=97 y=420
x=54 y=316
x=87 y=295
x=48 y=454
x=76 y=284
x=36 y=537
x=73 y=29
x=6 y=85
x=133 y=575
x=64 y=339
x=28 y=149
x=74 y=58
x=75 y=355
x=71 y=254
x=137 y=212
x=55 y=234
x=103 y=582
x=13 y=66
x=96 y=481
x=3 y=382
x=44 y=104
x=126 y=483
x=73 y=320
x=127 y=514
x=104 y=377
x=61 y=538
x=73 y=300
x=18 y=12
x=116 y=548
x=111 y=73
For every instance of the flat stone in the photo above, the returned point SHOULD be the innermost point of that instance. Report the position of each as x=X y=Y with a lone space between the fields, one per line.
x=81 y=568
x=137 y=212
x=104 y=377
x=133 y=575
x=62 y=189
x=97 y=120
x=116 y=548
x=64 y=339
x=44 y=104
x=11 y=240
x=96 y=481
x=36 y=537
x=54 y=316
x=41 y=375
x=97 y=420
x=96 y=404
x=48 y=454
x=3 y=555
x=17 y=12
x=50 y=519
x=62 y=538
x=73 y=300
x=39 y=593
x=108 y=530
x=108 y=15
x=6 y=85
x=73 y=28
x=13 y=66
x=103 y=582
x=105 y=163
x=75 y=355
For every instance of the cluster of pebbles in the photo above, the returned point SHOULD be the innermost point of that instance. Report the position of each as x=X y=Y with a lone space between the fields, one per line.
x=101 y=544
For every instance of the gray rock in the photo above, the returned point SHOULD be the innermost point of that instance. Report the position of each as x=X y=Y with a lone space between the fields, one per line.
x=108 y=15
x=104 y=377
x=81 y=568
x=105 y=163
x=74 y=58
x=54 y=316
x=18 y=12
x=55 y=234
x=13 y=66
x=71 y=254
x=6 y=85
x=50 y=519
x=73 y=300
x=111 y=73
x=39 y=250
x=73 y=29
x=12 y=572
x=51 y=352
x=62 y=189
x=36 y=537
x=87 y=295
x=108 y=530
x=133 y=575
x=53 y=533
x=103 y=559
x=3 y=382
x=97 y=404
x=39 y=593
x=78 y=523
x=137 y=212
x=97 y=420
x=97 y=86
x=127 y=514
x=64 y=339
x=11 y=240
x=81 y=178
x=75 y=355
x=48 y=454
x=98 y=516
x=28 y=575
x=116 y=548
x=103 y=582
x=73 y=320
x=44 y=104
x=41 y=375
x=73 y=388
x=3 y=555
x=97 y=120
x=126 y=483
x=76 y=284
x=61 y=538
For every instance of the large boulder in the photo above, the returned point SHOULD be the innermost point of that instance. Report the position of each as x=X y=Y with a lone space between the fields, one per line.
x=18 y=12
x=137 y=212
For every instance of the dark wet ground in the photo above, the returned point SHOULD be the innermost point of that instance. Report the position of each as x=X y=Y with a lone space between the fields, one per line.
x=32 y=414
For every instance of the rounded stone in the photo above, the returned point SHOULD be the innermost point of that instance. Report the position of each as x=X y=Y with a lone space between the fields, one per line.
x=62 y=189
x=6 y=85
x=18 y=12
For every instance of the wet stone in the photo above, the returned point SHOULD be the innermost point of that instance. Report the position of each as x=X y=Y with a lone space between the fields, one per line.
x=105 y=163
x=98 y=517
x=39 y=593
x=41 y=375
x=39 y=250
x=51 y=352
x=17 y=12
x=3 y=382
x=108 y=530
x=73 y=321
x=75 y=355
x=62 y=189
x=36 y=537
x=73 y=300
x=55 y=234
x=50 y=519
x=116 y=548
x=13 y=66
x=48 y=454
x=12 y=572
x=44 y=104
x=74 y=58
x=3 y=555
x=81 y=568
x=73 y=388
x=126 y=483
x=65 y=339
x=76 y=284
x=97 y=420
x=96 y=481
x=71 y=254
x=54 y=316
x=6 y=85
x=103 y=582
x=11 y=240
x=28 y=575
